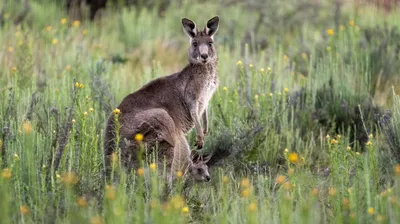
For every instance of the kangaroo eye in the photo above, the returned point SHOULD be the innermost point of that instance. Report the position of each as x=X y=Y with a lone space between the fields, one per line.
x=194 y=44
x=199 y=170
x=210 y=43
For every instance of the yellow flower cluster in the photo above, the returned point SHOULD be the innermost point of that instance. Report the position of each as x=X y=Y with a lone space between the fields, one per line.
x=69 y=178
x=139 y=137
x=79 y=85
x=6 y=174
x=116 y=111
x=110 y=192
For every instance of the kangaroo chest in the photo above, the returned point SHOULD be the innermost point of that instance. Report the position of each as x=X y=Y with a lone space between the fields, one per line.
x=208 y=91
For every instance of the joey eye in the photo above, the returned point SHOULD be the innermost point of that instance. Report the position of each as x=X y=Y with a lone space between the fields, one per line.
x=210 y=43
x=199 y=170
x=194 y=44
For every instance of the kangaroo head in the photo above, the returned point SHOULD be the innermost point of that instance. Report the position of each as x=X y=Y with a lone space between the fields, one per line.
x=202 y=48
x=198 y=169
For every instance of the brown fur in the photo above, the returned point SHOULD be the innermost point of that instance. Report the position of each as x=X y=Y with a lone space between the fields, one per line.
x=167 y=108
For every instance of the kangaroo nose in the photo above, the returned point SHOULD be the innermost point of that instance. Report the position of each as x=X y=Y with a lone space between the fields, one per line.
x=208 y=178
x=204 y=56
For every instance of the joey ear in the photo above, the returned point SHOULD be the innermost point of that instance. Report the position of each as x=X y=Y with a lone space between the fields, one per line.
x=207 y=158
x=189 y=27
x=195 y=156
x=212 y=26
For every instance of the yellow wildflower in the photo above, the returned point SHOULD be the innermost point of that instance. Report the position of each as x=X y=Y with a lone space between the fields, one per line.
x=76 y=23
x=245 y=183
x=116 y=111
x=68 y=67
x=140 y=171
x=69 y=178
x=251 y=65
x=371 y=211
x=348 y=148
x=225 y=179
x=27 y=126
x=256 y=97
x=269 y=70
x=327 y=137
x=239 y=63
x=262 y=71
x=286 y=90
x=139 y=137
x=315 y=192
x=334 y=141
x=293 y=157
x=369 y=143
x=6 y=174
x=84 y=32
x=14 y=69
x=271 y=94
x=370 y=136
x=85 y=113
x=352 y=23
x=10 y=49
x=64 y=21
x=81 y=86
x=48 y=28
x=328 y=48
x=287 y=185
x=73 y=121
x=153 y=167
x=285 y=57
x=185 y=210
x=225 y=88
x=397 y=169
x=81 y=201
x=280 y=179
x=252 y=207
x=24 y=209
x=330 y=32
x=357 y=153
x=179 y=174
x=91 y=110
x=245 y=193
x=332 y=191
x=110 y=192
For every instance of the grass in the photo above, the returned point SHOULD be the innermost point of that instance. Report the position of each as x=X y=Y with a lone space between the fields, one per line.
x=302 y=117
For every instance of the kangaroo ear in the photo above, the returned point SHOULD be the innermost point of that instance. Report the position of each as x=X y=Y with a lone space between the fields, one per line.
x=212 y=26
x=189 y=27
x=195 y=156
x=207 y=158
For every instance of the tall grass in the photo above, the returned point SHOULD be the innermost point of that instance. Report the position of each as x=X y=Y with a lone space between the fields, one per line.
x=287 y=113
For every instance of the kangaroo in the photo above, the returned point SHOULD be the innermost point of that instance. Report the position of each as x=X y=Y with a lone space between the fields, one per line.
x=167 y=108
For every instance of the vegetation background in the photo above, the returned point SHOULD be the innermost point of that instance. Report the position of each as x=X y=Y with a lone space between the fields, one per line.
x=305 y=126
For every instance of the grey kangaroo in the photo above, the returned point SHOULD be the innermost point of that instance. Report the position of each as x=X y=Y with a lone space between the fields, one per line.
x=167 y=108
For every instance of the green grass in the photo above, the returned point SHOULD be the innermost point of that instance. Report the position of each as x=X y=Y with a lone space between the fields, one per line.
x=266 y=111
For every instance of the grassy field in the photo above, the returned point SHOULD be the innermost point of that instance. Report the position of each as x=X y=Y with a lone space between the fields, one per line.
x=307 y=107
